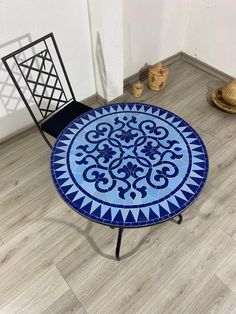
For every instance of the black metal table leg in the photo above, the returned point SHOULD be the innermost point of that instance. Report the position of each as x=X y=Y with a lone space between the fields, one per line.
x=180 y=219
x=119 y=243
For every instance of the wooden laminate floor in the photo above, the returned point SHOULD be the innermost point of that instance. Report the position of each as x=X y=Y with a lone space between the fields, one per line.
x=54 y=261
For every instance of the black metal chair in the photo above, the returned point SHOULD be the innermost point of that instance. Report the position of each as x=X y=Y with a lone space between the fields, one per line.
x=56 y=104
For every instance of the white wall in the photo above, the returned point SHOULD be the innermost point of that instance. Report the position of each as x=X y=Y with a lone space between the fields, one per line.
x=26 y=20
x=106 y=25
x=210 y=34
x=153 y=31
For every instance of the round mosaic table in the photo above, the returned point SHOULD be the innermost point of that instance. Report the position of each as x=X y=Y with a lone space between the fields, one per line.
x=129 y=165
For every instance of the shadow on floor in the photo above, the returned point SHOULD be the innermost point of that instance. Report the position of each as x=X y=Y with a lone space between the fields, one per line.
x=86 y=233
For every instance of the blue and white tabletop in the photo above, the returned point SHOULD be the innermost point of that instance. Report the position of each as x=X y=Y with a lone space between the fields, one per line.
x=129 y=165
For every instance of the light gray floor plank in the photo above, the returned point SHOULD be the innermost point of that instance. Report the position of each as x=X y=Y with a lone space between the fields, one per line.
x=34 y=251
x=227 y=273
x=40 y=295
x=163 y=269
x=21 y=207
x=214 y=298
x=192 y=275
x=67 y=303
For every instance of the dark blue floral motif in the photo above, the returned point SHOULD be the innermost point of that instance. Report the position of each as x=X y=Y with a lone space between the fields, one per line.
x=133 y=193
x=114 y=160
x=161 y=178
x=130 y=170
x=82 y=149
x=106 y=152
x=127 y=136
x=161 y=132
x=126 y=132
x=151 y=150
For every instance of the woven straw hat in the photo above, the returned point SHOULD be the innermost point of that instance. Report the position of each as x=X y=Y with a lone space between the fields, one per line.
x=225 y=97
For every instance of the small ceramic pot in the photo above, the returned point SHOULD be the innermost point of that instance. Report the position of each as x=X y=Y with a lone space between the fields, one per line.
x=137 y=89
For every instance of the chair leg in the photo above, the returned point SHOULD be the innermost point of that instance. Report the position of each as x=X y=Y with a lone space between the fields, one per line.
x=44 y=136
x=47 y=141
x=119 y=243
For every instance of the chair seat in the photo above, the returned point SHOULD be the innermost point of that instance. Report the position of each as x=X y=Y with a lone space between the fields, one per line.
x=55 y=124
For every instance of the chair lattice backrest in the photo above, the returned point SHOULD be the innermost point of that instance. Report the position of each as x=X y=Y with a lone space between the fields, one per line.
x=41 y=75
x=43 y=82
